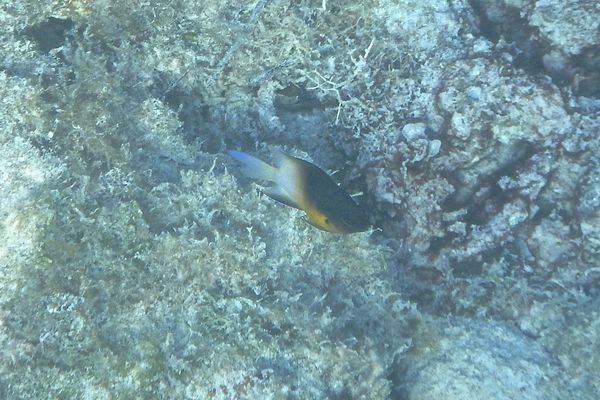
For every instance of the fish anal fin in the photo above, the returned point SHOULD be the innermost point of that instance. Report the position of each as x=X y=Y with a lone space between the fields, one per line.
x=279 y=195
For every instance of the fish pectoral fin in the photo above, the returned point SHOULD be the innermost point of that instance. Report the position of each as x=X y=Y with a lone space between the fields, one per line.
x=279 y=195
x=314 y=224
x=308 y=221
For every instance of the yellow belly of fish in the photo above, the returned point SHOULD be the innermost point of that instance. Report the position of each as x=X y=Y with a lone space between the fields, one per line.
x=320 y=220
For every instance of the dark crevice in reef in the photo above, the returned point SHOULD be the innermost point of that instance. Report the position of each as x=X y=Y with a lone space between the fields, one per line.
x=477 y=189
x=484 y=174
x=587 y=65
x=496 y=21
x=532 y=53
x=485 y=26
x=198 y=122
x=49 y=34
x=191 y=109
x=52 y=37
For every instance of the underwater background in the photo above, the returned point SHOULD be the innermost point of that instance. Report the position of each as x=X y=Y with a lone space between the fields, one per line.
x=137 y=262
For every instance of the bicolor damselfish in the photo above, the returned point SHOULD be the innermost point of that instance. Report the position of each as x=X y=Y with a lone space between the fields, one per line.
x=300 y=184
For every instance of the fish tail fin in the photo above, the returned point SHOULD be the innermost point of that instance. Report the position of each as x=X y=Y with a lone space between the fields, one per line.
x=252 y=167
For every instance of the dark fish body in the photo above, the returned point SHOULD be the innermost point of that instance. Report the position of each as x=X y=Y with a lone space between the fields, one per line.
x=303 y=185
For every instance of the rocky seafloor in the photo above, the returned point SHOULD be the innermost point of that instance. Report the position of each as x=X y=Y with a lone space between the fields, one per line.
x=135 y=262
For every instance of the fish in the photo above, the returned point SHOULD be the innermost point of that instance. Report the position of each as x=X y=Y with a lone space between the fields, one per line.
x=300 y=184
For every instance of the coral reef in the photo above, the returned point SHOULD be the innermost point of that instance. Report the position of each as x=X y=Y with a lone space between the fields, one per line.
x=135 y=262
x=476 y=359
